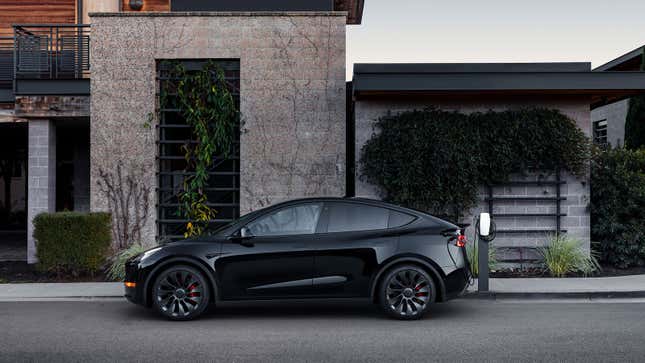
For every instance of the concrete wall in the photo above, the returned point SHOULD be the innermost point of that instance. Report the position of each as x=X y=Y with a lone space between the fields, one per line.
x=576 y=191
x=41 y=175
x=292 y=96
x=616 y=115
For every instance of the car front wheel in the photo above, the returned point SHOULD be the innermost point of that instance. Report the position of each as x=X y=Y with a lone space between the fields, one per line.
x=180 y=293
x=406 y=292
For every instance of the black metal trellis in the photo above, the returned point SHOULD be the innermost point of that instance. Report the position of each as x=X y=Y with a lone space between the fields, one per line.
x=223 y=191
x=557 y=200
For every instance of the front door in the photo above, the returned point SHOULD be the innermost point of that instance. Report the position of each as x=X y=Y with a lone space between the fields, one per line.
x=276 y=261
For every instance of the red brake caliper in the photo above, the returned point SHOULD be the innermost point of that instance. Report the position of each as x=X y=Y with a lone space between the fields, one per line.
x=417 y=288
x=191 y=288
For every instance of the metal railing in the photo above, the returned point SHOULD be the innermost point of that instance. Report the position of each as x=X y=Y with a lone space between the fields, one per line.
x=51 y=51
x=6 y=62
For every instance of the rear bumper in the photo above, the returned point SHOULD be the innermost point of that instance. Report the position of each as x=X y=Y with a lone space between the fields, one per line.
x=457 y=283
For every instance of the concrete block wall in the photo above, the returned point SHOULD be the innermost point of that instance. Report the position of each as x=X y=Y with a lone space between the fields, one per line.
x=292 y=96
x=576 y=206
x=41 y=177
x=616 y=115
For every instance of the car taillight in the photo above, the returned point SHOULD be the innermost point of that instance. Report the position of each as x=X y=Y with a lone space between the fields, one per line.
x=461 y=241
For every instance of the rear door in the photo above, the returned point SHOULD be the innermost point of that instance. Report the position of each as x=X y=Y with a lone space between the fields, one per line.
x=356 y=238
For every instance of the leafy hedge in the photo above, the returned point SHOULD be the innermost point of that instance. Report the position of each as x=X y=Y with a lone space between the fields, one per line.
x=618 y=205
x=72 y=242
x=436 y=160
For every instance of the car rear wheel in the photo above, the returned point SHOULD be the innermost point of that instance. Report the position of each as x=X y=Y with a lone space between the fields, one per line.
x=406 y=292
x=180 y=293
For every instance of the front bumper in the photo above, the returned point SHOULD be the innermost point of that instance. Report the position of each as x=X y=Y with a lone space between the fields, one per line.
x=133 y=274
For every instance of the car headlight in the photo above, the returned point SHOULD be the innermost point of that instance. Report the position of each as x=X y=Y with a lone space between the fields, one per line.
x=148 y=253
x=138 y=258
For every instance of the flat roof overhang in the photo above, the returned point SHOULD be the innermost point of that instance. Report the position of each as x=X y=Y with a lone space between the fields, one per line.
x=354 y=8
x=496 y=79
x=63 y=87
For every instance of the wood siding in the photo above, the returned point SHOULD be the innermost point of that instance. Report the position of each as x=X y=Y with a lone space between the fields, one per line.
x=35 y=11
x=148 y=5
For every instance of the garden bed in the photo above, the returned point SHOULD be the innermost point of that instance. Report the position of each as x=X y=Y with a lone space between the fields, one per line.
x=607 y=271
x=21 y=272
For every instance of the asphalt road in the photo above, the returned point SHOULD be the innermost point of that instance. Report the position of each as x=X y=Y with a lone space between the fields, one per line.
x=463 y=330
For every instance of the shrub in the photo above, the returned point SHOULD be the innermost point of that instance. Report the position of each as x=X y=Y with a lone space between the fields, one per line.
x=116 y=271
x=432 y=159
x=566 y=255
x=618 y=206
x=472 y=250
x=70 y=242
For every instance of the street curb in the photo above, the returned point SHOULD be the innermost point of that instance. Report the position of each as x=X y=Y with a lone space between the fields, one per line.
x=61 y=298
x=493 y=295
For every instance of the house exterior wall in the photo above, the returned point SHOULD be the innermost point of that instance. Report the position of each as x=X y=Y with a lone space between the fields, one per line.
x=292 y=96
x=616 y=115
x=575 y=190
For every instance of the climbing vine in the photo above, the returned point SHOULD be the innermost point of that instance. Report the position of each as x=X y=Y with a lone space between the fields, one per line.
x=207 y=105
x=436 y=160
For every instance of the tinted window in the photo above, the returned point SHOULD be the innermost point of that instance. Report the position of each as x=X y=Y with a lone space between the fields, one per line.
x=301 y=219
x=398 y=219
x=344 y=217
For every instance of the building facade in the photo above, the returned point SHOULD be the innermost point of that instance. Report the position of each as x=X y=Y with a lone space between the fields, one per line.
x=82 y=84
x=608 y=117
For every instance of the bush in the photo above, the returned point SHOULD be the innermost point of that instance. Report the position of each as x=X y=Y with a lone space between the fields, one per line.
x=618 y=205
x=70 y=242
x=116 y=271
x=472 y=251
x=566 y=255
x=432 y=160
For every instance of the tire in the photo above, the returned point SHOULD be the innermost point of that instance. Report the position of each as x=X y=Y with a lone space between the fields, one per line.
x=180 y=293
x=406 y=292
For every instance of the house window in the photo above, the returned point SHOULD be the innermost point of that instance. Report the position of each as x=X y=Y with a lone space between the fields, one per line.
x=223 y=190
x=600 y=132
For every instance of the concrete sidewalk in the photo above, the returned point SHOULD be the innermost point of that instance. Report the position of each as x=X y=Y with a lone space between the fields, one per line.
x=60 y=291
x=607 y=287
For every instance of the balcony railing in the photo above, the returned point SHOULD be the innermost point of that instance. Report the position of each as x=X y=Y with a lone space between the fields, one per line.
x=6 y=62
x=44 y=59
x=51 y=51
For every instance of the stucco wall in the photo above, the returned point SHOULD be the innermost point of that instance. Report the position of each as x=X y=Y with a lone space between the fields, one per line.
x=292 y=96
x=576 y=191
x=616 y=115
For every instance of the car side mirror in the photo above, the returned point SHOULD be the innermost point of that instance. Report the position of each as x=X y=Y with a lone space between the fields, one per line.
x=243 y=237
x=484 y=224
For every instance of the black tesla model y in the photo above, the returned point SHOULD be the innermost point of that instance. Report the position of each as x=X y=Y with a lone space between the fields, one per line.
x=402 y=259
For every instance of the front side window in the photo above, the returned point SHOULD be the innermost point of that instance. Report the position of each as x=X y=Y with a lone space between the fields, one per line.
x=301 y=219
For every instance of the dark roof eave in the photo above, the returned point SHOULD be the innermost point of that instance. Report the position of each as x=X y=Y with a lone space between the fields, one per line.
x=620 y=60
x=498 y=81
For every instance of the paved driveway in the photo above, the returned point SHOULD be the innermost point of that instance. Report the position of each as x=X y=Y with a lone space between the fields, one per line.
x=463 y=330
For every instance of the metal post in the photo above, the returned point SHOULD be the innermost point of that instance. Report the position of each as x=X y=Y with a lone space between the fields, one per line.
x=482 y=262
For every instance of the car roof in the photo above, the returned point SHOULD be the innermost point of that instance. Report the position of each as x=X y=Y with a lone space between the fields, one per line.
x=361 y=200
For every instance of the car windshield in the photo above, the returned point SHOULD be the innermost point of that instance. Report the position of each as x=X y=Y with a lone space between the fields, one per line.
x=217 y=230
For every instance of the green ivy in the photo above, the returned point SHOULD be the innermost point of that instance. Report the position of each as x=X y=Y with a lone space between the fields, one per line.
x=209 y=109
x=436 y=160
x=618 y=206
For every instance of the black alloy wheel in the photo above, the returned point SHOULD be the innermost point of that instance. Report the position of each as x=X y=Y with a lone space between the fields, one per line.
x=406 y=292
x=180 y=293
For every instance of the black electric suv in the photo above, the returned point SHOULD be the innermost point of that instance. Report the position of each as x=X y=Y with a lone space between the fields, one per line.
x=402 y=259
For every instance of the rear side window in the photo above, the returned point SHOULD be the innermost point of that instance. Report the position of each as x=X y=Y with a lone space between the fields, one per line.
x=348 y=217
x=398 y=219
